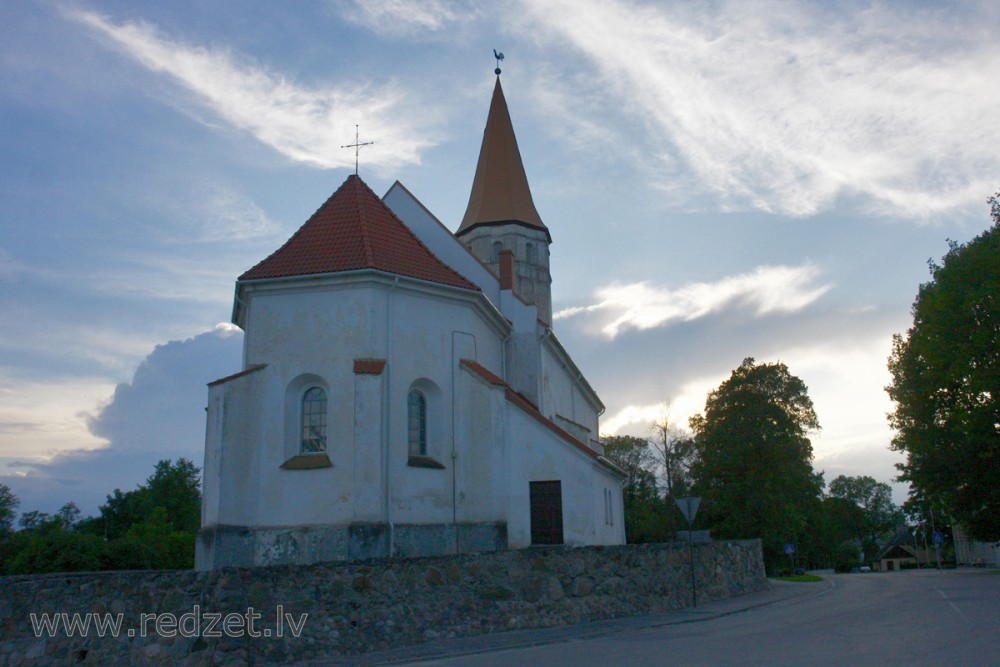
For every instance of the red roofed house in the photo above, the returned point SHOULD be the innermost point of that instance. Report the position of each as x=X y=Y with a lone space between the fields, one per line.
x=402 y=391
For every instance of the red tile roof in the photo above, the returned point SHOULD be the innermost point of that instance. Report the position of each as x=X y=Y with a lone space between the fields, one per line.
x=369 y=366
x=355 y=230
x=248 y=371
x=482 y=372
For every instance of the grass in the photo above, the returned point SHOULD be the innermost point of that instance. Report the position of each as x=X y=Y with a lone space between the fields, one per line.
x=800 y=578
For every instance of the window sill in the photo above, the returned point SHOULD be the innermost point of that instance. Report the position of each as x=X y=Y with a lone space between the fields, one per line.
x=417 y=461
x=307 y=462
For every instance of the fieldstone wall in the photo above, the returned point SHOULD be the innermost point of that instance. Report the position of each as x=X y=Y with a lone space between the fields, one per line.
x=355 y=607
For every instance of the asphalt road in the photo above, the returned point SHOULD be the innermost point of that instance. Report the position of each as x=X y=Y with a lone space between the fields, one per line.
x=900 y=618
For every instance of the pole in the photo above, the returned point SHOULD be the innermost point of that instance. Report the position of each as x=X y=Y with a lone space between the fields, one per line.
x=937 y=547
x=694 y=585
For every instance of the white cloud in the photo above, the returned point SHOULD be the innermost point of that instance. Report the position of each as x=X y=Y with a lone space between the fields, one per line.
x=111 y=349
x=158 y=414
x=306 y=125
x=677 y=409
x=767 y=289
x=222 y=213
x=47 y=416
x=630 y=416
x=784 y=107
x=407 y=17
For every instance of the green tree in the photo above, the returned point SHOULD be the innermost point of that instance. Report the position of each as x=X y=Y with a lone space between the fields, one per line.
x=152 y=526
x=837 y=533
x=879 y=516
x=646 y=516
x=172 y=486
x=8 y=508
x=36 y=522
x=752 y=457
x=946 y=385
x=53 y=549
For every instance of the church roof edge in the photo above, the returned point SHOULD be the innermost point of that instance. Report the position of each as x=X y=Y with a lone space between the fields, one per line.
x=355 y=230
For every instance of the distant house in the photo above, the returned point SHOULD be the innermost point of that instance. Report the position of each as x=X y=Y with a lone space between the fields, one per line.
x=902 y=552
x=403 y=392
x=900 y=557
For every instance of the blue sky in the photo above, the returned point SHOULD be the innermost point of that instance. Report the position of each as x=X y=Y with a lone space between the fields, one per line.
x=721 y=180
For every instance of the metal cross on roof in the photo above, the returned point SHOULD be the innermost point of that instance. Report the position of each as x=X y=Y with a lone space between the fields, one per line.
x=357 y=148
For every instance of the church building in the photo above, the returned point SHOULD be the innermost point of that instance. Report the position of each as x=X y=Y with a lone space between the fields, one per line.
x=403 y=392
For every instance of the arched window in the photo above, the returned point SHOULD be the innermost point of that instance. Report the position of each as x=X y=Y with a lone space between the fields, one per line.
x=532 y=253
x=313 y=421
x=416 y=423
x=497 y=247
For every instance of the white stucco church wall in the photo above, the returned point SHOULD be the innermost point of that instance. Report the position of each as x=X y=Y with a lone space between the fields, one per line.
x=400 y=396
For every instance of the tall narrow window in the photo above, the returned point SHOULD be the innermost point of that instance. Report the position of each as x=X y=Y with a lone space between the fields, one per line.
x=497 y=247
x=313 y=421
x=532 y=253
x=416 y=423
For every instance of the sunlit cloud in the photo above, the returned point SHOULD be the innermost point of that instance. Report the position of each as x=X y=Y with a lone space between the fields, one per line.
x=308 y=125
x=631 y=415
x=786 y=107
x=41 y=418
x=676 y=409
x=407 y=17
x=642 y=305
x=110 y=436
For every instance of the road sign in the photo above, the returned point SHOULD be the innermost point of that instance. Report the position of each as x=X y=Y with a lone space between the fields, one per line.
x=789 y=549
x=688 y=507
x=937 y=537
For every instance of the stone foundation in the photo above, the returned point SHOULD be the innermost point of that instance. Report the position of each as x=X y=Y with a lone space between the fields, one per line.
x=353 y=607
x=240 y=546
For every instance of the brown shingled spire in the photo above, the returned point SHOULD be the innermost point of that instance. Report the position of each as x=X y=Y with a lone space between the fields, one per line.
x=500 y=193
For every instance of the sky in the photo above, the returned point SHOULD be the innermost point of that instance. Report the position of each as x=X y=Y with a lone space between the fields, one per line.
x=721 y=180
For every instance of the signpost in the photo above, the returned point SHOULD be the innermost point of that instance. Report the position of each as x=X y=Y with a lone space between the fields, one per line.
x=937 y=538
x=689 y=508
x=790 y=551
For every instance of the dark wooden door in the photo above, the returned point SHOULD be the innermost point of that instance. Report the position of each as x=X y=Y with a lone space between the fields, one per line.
x=546 y=512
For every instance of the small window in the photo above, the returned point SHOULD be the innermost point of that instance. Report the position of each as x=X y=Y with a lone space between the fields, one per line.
x=532 y=253
x=416 y=423
x=313 y=421
x=497 y=247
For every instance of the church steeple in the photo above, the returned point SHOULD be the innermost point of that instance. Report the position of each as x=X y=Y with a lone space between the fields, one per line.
x=500 y=192
x=501 y=214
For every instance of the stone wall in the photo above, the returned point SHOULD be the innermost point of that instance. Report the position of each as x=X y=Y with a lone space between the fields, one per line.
x=359 y=606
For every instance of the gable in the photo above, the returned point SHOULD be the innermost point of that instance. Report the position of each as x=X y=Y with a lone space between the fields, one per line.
x=355 y=230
